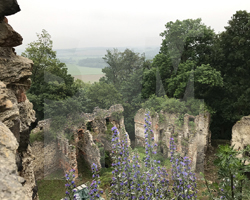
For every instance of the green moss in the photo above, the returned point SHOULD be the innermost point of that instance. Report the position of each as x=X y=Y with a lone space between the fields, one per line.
x=39 y=136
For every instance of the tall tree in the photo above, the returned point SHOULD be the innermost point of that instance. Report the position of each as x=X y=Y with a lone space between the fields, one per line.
x=50 y=79
x=187 y=41
x=124 y=71
x=232 y=103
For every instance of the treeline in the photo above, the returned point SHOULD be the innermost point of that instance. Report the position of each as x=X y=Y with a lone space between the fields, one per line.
x=92 y=62
x=193 y=63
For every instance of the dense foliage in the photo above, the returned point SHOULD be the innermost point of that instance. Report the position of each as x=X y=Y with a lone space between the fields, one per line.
x=193 y=62
x=50 y=80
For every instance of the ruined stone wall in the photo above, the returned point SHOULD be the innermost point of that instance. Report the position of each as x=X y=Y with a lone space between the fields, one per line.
x=52 y=154
x=190 y=141
x=67 y=155
x=88 y=141
x=62 y=154
x=241 y=134
x=16 y=113
x=46 y=158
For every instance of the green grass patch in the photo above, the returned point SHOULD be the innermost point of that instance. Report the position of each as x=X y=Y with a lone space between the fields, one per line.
x=74 y=69
x=51 y=189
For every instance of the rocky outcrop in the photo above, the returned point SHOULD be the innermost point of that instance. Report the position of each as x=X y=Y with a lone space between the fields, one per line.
x=16 y=112
x=10 y=182
x=192 y=138
x=241 y=134
x=8 y=7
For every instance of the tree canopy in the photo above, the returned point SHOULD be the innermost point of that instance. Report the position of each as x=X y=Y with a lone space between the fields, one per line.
x=50 y=79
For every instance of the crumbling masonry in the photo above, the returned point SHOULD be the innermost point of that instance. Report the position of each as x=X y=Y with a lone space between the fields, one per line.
x=192 y=139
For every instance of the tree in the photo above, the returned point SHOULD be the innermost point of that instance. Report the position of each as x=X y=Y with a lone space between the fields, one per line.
x=232 y=103
x=50 y=79
x=124 y=71
x=187 y=40
x=102 y=95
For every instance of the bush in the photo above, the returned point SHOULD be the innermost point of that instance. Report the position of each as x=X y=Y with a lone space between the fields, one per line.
x=39 y=136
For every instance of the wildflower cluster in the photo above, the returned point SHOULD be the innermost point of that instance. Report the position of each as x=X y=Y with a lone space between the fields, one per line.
x=184 y=186
x=94 y=191
x=70 y=185
x=121 y=182
x=131 y=179
x=134 y=180
x=156 y=184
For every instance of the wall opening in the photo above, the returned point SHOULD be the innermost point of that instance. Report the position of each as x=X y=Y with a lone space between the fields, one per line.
x=89 y=126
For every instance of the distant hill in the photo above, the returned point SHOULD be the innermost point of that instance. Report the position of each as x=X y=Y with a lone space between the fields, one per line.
x=87 y=63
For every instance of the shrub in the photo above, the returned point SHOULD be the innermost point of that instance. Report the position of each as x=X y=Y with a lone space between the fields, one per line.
x=39 y=136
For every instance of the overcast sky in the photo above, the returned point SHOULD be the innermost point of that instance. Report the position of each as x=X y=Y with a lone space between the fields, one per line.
x=110 y=23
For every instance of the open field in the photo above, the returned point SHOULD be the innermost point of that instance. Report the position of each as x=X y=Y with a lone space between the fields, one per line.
x=74 y=70
x=89 y=77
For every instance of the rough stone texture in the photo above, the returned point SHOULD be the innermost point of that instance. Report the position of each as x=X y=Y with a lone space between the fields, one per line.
x=28 y=172
x=89 y=149
x=67 y=155
x=8 y=7
x=46 y=158
x=52 y=155
x=241 y=134
x=190 y=141
x=98 y=120
x=10 y=181
x=9 y=37
x=42 y=125
x=16 y=112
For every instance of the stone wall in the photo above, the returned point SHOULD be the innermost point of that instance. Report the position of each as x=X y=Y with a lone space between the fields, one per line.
x=190 y=141
x=16 y=113
x=46 y=158
x=67 y=155
x=62 y=153
x=241 y=134
x=88 y=141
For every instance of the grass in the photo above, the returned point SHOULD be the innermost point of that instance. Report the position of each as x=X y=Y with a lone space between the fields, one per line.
x=52 y=187
x=74 y=70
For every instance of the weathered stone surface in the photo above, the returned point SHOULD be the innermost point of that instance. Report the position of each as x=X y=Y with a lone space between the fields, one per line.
x=16 y=112
x=8 y=7
x=8 y=36
x=9 y=112
x=90 y=150
x=52 y=155
x=241 y=134
x=46 y=158
x=10 y=181
x=43 y=125
x=15 y=70
x=27 y=114
x=28 y=173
